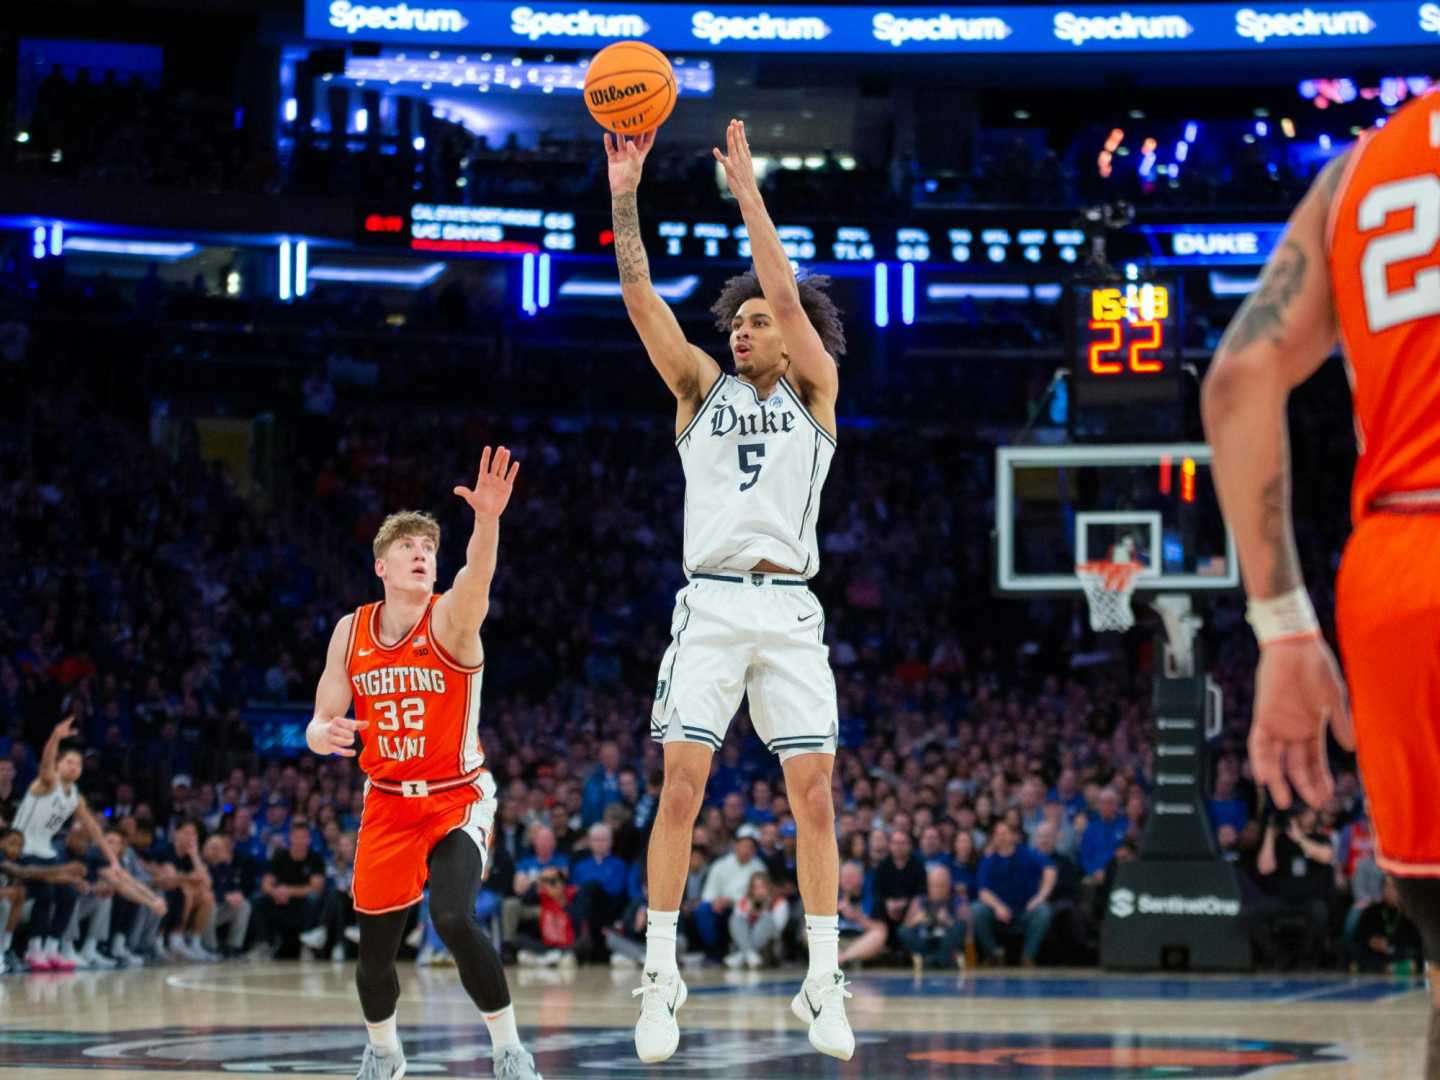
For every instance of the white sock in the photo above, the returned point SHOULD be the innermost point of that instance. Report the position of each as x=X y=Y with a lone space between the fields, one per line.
x=660 y=928
x=823 y=933
x=5 y=939
x=51 y=945
x=502 y=1028
x=383 y=1035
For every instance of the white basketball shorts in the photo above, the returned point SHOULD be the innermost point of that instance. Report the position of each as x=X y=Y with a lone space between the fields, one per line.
x=736 y=633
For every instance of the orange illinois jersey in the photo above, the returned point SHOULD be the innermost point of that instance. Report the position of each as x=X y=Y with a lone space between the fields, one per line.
x=423 y=707
x=1384 y=251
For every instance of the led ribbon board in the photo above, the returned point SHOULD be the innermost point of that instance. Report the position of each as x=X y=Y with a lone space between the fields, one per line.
x=1137 y=28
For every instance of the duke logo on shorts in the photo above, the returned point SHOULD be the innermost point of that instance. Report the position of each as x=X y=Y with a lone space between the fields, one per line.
x=753 y=475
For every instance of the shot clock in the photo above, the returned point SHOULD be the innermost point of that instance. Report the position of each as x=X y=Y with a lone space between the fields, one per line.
x=1125 y=349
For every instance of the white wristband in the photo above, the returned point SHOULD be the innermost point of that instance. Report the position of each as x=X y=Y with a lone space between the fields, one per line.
x=1290 y=615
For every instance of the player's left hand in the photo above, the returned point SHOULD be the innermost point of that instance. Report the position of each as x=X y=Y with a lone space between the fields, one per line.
x=1298 y=690
x=491 y=492
x=739 y=168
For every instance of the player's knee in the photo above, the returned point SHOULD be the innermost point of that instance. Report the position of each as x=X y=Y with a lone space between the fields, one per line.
x=680 y=796
x=451 y=919
x=814 y=804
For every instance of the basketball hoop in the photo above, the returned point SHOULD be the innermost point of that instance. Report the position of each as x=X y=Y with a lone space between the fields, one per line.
x=1108 y=588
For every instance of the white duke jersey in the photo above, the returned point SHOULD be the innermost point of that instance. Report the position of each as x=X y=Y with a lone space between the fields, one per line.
x=40 y=817
x=753 y=474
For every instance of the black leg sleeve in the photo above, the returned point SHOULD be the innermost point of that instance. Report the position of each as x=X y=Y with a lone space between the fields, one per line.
x=375 y=978
x=455 y=869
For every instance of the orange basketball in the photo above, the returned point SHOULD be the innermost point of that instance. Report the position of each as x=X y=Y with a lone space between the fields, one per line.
x=630 y=88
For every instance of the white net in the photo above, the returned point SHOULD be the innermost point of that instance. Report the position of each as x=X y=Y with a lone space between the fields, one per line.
x=1108 y=588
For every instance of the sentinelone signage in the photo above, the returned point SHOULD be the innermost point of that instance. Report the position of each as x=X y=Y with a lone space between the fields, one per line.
x=1139 y=28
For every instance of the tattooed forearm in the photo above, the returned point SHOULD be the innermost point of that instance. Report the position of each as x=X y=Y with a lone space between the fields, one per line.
x=1279 y=532
x=629 y=247
x=1265 y=310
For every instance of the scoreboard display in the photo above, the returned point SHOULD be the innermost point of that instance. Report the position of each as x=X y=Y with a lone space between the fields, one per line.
x=1126 y=342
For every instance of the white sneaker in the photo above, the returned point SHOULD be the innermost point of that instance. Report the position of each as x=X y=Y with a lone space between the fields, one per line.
x=656 y=1033
x=93 y=958
x=753 y=959
x=527 y=958
x=416 y=936
x=735 y=961
x=70 y=956
x=352 y=934
x=120 y=950
x=425 y=957
x=314 y=938
x=58 y=962
x=821 y=1004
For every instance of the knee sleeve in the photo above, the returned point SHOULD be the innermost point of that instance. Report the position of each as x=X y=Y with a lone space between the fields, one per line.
x=455 y=869
x=375 y=977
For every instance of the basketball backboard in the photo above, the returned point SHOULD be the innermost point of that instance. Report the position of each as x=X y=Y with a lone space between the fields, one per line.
x=1059 y=506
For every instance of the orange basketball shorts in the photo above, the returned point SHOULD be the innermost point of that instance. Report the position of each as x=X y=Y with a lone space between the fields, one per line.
x=1388 y=618
x=392 y=852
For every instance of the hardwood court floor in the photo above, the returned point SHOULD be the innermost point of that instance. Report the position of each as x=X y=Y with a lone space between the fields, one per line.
x=302 y=1019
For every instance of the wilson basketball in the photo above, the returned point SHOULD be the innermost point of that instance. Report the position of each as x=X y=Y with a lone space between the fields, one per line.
x=630 y=88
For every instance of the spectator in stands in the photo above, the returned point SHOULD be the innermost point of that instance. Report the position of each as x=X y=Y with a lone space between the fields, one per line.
x=602 y=787
x=603 y=883
x=862 y=936
x=1226 y=807
x=9 y=795
x=1102 y=833
x=525 y=903
x=1066 y=842
x=899 y=880
x=555 y=945
x=964 y=865
x=1385 y=939
x=230 y=889
x=757 y=923
x=1067 y=793
x=1069 y=928
x=1014 y=889
x=1366 y=888
x=292 y=892
x=93 y=911
x=726 y=883
x=936 y=924
x=198 y=896
x=1296 y=868
x=1031 y=804
x=139 y=910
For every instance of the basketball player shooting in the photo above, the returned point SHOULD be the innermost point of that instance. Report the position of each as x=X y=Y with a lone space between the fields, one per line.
x=412 y=665
x=1358 y=262
x=755 y=448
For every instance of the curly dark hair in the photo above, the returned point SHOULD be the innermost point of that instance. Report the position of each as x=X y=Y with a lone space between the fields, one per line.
x=820 y=309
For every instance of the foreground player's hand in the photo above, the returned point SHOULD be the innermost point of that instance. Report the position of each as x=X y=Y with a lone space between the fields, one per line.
x=739 y=168
x=65 y=729
x=336 y=735
x=626 y=160
x=1298 y=690
x=491 y=492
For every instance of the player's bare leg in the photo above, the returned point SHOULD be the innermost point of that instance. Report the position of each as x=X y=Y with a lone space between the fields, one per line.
x=821 y=1000
x=662 y=991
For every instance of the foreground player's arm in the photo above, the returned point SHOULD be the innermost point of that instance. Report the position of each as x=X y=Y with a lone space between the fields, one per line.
x=330 y=731
x=92 y=826
x=689 y=372
x=46 y=777
x=459 y=613
x=1282 y=333
x=814 y=368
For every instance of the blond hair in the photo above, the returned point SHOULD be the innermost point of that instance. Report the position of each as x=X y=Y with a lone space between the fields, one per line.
x=404 y=523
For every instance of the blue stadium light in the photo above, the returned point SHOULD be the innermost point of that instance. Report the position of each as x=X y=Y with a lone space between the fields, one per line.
x=39 y=249
x=362 y=121
x=527 y=283
x=292 y=110
x=417 y=278
x=946 y=291
x=544 y=280
x=155 y=250
x=302 y=264
x=1231 y=284
x=284 y=269
x=57 y=238
x=679 y=289
x=907 y=293
x=1262 y=128
x=419 y=143
x=1192 y=130
x=1324 y=142
x=1182 y=150
x=882 y=295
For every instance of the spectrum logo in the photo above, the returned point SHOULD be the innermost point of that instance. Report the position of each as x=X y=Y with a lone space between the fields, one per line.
x=1260 y=26
x=1078 y=29
x=897 y=29
x=763 y=26
x=527 y=22
x=352 y=18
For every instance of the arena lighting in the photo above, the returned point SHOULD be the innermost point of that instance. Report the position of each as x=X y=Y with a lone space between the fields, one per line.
x=1231 y=284
x=544 y=280
x=944 y=292
x=678 y=289
x=362 y=121
x=284 y=270
x=1192 y=129
x=417 y=278
x=527 y=283
x=292 y=110
x=907 y=293
x=157 y=250
x=57 y=238
x=302 y=259
x=882 y=295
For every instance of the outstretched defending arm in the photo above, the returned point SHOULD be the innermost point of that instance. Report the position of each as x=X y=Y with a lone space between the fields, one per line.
x=814 y=368
x=331 y=731
x=459 y=613
x=688 y=372
x=1282 y=333
x=46 y=777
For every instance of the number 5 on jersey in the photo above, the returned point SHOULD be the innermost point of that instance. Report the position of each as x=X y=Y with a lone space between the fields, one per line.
x=749 y=467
